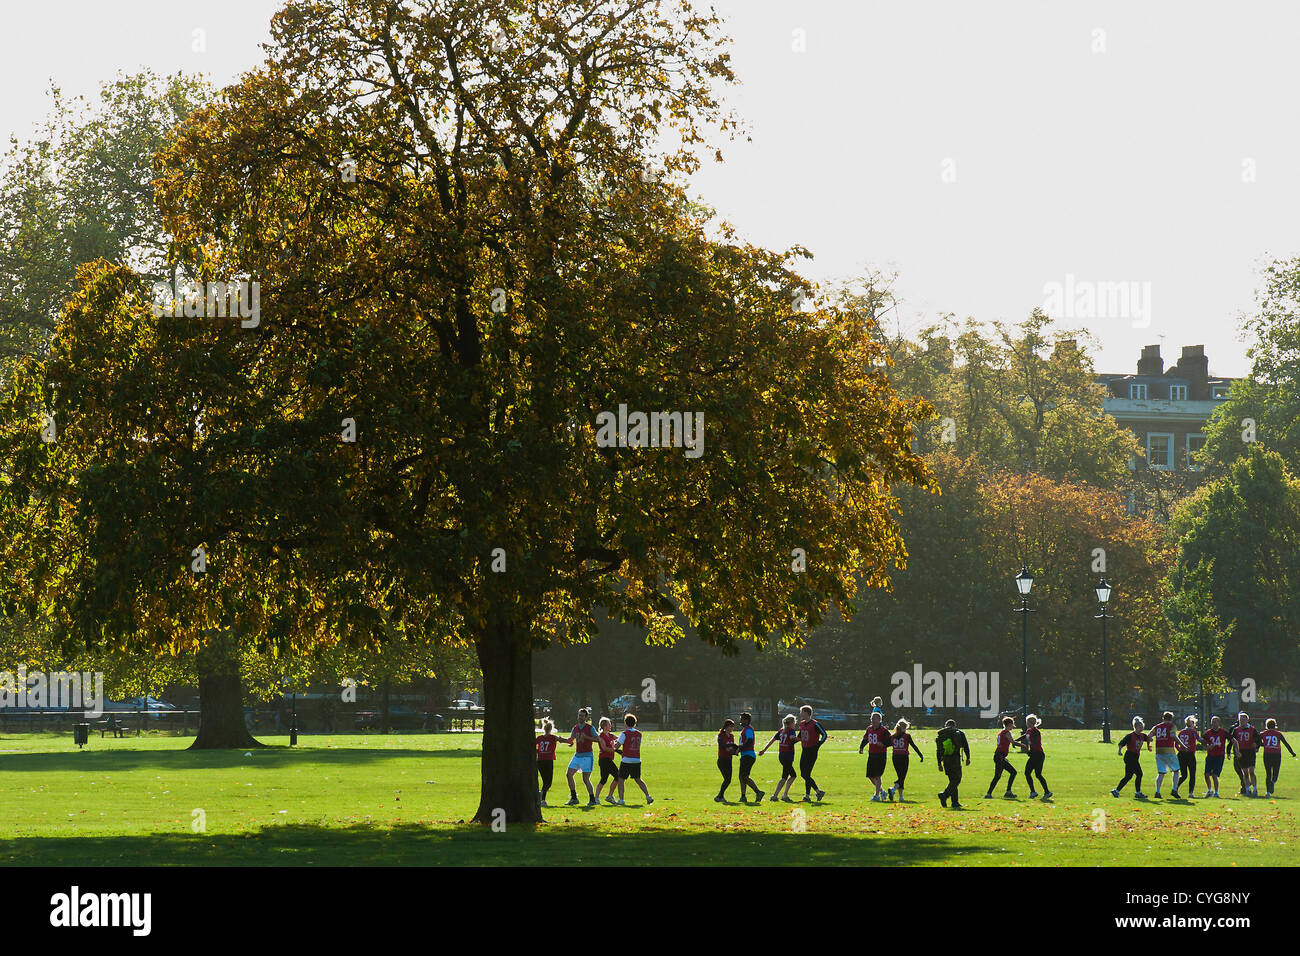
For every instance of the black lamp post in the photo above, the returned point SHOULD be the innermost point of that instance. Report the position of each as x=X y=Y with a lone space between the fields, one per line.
x=1103 y=599
x=1024 y=582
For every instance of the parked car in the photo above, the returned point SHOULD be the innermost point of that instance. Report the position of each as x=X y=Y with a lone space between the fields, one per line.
x=152 y=707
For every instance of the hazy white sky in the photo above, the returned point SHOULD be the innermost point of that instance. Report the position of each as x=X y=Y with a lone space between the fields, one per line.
x=983 y=149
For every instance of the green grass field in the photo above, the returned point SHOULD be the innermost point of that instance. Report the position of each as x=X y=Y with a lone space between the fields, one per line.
x=401 y=800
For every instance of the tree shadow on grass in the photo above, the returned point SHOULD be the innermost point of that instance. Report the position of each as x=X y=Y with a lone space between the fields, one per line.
x=269 y=758
x=472 y=845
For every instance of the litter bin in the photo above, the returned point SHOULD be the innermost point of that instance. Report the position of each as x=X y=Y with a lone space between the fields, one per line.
x=81 y=734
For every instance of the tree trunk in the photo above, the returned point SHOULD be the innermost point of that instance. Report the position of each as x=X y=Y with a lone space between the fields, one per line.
x=221 y=698
x=509 y=770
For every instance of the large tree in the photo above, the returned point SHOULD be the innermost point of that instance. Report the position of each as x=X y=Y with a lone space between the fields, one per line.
x=80 y=189
x=1265 y=407
x=471 y=243
x=1019 y=397
x=1239 y=540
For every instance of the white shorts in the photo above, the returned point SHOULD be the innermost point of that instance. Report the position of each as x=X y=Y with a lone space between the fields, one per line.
x=583 y=762
x=1166 y=763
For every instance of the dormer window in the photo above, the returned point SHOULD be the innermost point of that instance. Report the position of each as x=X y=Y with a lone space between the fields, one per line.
x=1137 y=390
x=1178 y=393
x=1219 y=391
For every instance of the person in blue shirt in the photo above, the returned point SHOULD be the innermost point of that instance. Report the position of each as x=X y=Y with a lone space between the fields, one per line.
x=747 y=758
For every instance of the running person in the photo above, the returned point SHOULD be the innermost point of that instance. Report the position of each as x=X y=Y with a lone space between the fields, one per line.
x=1245 y=741
x=811 y=737
x=547 y=744
x=1000 y=761
x=1273 y=742
x=1165 y=737
x=902 y=741
x=726 y=753
x=1032 y=740
x=784 y=739
x=1216 y=747
x=747 y=758
x=605 y=759
x=877 y=739
x=1189 y=738
x=1131 y=747
x=583 y=736
x=629 y=768
x=950 y=743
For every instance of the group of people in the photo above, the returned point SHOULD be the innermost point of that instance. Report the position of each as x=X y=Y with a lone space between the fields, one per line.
x=627 y=746
x=1176 y=754
x=1175 y=751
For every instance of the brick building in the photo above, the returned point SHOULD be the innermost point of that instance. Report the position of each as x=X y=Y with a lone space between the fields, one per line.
x=1166 y=408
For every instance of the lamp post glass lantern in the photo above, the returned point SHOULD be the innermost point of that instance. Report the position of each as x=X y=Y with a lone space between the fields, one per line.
x=1103 y=600
x=1024 y=583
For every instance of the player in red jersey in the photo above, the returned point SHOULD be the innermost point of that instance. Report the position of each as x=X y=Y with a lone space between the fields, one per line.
x=1272 y=742
x=902 y=741
x=726 y=753
x=877 y=739
x=1131 y=747
x=785 y=740
x=1032 y=741
x=583 y=736
x=1245 y=741
x=629 y=768
x=1000 y=761
x=608 y=769
x=1216 y=746
x=547 y=745
x=1164 y=736
x=811 y=738
x=1188 y=738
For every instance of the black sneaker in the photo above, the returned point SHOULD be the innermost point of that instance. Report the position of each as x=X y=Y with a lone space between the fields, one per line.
x=943 y=799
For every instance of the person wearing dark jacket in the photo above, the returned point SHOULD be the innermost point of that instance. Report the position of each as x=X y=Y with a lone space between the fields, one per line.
x=951 y=743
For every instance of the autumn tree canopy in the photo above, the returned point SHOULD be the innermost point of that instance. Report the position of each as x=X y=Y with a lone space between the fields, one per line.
x=470 y=240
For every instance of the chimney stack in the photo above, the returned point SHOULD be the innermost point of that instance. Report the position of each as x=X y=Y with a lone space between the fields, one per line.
x=1151 y=363
x=1195 y=367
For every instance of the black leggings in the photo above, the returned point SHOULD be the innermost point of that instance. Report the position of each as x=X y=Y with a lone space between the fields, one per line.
x=1001 y=762
x=1272 y=767
x=1034 y=768
x=787 y=765
x=724 y=766
x=746 y=768
x=545 y=769
x=1186 y=769
x=806 y=761
x=900 y=769
x=1132 y=770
